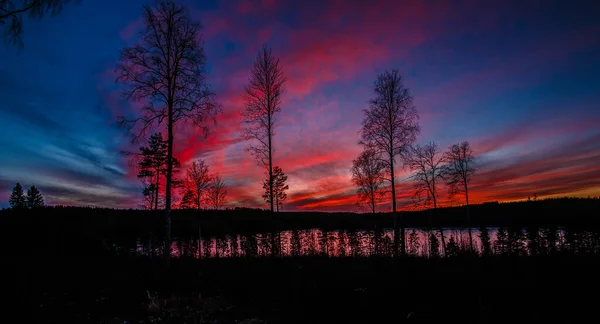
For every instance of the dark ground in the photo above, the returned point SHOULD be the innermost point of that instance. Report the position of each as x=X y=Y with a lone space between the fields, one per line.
x=550 y=289
x=54 y=271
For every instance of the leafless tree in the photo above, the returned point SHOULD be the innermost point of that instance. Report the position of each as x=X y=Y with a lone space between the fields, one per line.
x=427 y=162
x=199 y=181
x=165 y=72
x=217 y=192
x=368 y=176
x=389 y=127
x=460 y=164
x=11 y=12
x=263 y=102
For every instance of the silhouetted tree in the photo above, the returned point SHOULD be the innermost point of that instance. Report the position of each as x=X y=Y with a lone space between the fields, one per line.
x=413 y=242
x=217 y=192
x=279 y=188
x=165 y=71
x=295 y=244
x=17 y=198
x=331 y=238
x=434 y=245
x=368 y=176
x=149 y=194
x=322 y=242
x=390 y=125
x=484 y=237
x=516 y=241
x=188 y=201
x=459 y=172
x=501 y=245
x=263 y=102
x=153 y=163
x=354 y=243
x=427 y=164
x=12 y=11
x=34 y=198
x=549 y=237
x=342 y=243
x=199 y=181
x=452 y=248
x=532 y=233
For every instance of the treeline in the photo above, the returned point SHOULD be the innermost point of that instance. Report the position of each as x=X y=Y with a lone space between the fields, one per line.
x=97 y=224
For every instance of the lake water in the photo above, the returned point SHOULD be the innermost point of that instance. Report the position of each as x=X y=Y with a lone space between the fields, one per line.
x=419 y=242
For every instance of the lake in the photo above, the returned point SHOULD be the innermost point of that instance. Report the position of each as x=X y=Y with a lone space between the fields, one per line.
x=419 y=242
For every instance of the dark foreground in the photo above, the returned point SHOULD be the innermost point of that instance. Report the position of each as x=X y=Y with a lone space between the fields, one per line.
x=463 y=289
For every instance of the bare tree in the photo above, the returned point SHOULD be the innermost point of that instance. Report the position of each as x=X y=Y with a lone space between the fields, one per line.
x=368 y=176
x=427 y=163
x=12 y=11
x=165 y=72
x=263 y=102
x=217 y=192
x=389 y=127
x=460 y=170
x=199 y=181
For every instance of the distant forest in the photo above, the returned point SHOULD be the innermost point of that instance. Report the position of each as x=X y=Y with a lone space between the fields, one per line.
x=106 y=223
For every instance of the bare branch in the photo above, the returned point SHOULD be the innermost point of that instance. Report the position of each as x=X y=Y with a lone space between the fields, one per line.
x=262 y=99
x=368 y=176
x=390 y=124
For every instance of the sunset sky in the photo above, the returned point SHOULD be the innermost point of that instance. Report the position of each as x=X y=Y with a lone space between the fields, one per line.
x=519 y=79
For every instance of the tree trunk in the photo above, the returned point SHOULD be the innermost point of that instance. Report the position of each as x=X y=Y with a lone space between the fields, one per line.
x=398 y=239
x=156 y=194
x=270 y=168
x=198 y=199
x=167 y=247
x=441 y=229
x=469 y=219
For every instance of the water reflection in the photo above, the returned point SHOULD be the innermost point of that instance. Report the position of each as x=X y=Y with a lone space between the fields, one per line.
x=419 y=242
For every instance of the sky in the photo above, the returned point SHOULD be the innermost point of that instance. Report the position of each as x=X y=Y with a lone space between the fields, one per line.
x=519 y=80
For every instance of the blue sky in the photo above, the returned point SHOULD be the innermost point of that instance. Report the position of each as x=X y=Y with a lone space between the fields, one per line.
x=519 y=80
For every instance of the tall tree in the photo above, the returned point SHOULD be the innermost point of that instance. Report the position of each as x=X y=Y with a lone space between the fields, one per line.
x=165 y=72
x=277 y=188
x=217 y=192
x=263 y=102
x=198 y=180
x=17 y=198
x=153 y=164
x=34 y=198
x=368 y=176
x=12 y=11
x=427 y=163
x=389 y=127
x=460 y=168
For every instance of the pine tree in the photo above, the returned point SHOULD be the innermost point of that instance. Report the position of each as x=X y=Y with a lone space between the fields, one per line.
x=486 y=245
x=516 y=241
x=17 y=198
x=188 y=200
x=295 y=243
x=501 y=244
x=153 y=163
x=279 y=188
x=434 y=244
x=34 y=198
x=413 y=243
x=452 y=247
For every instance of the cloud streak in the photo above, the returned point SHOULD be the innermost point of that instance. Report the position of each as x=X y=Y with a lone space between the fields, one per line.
x=517 y=79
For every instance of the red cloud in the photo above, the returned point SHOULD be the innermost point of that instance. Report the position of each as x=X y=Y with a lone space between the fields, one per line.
x=347 y=43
